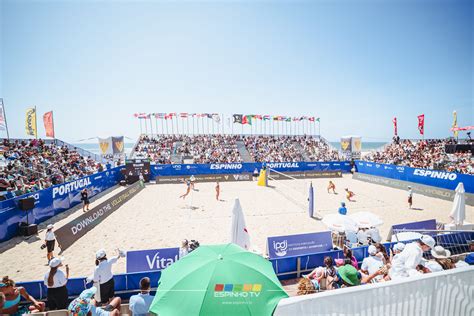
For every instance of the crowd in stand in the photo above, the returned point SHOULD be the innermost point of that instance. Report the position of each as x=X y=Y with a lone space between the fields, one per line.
x=210 y=149
x=317 y=150
x=403 y=261
x=428 y=154
x=158 y=149
x=28 y=166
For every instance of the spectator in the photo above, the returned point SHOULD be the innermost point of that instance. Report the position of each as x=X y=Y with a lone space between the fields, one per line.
x=326 y=273
x=342 y=210
x=2 y=301
x=372 y=263
x=348 y=276
x=55 y=280
x=85 y=304
x=184 y=249
x=382 y=253
x=443 y=257
x=305 y=287
x=348 y=255
x=49 y=241
x=140 y=303
x=103 y=274
x=13 y=296
x=405 y=263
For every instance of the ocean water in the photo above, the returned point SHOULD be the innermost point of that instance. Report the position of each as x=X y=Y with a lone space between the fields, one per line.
x=94 y=147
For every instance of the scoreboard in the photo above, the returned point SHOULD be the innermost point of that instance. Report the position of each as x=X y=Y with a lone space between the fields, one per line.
x=135 y=167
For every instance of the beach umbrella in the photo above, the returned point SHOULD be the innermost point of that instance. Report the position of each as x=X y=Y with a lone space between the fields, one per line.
x=239 y=234
x=339 y=223
x=218 y=280
x=406 y=236
x=366 y=219
x=458 y=212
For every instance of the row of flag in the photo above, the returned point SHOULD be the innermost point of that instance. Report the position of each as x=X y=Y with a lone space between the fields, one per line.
x=247 y=119
x=238 y=118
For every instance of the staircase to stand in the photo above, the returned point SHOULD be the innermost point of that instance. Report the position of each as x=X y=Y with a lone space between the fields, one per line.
x=244 y=153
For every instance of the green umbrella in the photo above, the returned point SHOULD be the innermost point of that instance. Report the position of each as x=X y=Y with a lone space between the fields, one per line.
x=218 y=280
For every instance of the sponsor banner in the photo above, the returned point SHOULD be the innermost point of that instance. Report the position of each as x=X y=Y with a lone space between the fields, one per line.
x=78 y=227
x=233 y=168
x=52 y=201
x=435 y=178
x=48 y=124
x=117 y=145
x=306 y=175
x=105 y=146
x=206 y=178
x=297 y=245
x=30 y=122
x=151 y=260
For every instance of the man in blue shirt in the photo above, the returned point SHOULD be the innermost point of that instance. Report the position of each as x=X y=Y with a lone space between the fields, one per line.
x=140 y=303
x=343 y=210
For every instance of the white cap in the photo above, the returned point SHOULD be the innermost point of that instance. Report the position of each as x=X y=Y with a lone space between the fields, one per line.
x=372 y=250
x=50 y=226
x=100 y=254
x=55 y=262
x=399 y=246
x=428 y=240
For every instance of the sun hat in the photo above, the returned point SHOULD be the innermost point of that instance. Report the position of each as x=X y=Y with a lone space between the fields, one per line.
x=428 y=240
x=399 y=247
x=81 y=305
x=349 y=274
x=100 y=254
x=55 y=262
x=50 y=226
x=440 y=253
x=372 y=250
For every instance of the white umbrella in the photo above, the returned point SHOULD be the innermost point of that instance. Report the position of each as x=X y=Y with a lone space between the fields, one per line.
x=366 y=219
x=458 y=212
x=405 y=236
x=339 y=223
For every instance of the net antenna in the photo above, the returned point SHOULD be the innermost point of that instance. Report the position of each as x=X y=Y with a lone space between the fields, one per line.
x=291 y=189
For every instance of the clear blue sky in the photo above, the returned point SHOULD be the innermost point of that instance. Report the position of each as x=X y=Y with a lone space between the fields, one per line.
x=355 y=64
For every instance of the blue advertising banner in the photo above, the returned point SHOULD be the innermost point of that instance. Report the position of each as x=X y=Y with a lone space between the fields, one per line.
x=52 y=201
x=244 y=167
x=421 y=225
x=297 y=245
x=151 y=260
x=436 y=178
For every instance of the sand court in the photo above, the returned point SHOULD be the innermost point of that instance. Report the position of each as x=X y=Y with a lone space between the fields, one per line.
x=157 y=218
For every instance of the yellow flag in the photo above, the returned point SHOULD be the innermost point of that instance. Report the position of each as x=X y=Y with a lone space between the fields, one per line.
x=30 y=123
x=455 y=123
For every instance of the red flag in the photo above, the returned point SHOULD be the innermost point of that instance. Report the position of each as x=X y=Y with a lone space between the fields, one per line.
x=49 y=124
x=421 y=124
x=395 y=131
x=245 y=119
x=183 y=115
x=311 y=118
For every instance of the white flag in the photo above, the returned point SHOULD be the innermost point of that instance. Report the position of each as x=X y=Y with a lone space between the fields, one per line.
x=239 y=233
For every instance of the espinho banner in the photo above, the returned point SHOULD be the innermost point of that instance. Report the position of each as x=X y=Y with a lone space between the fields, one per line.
x=151 y=260
x=52 y=201
x=237 y=168
x=297 y=245
x=78 y=227
x=436 y=178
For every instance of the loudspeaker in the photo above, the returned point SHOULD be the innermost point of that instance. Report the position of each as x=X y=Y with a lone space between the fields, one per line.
x=27 y=230
x=26 y=204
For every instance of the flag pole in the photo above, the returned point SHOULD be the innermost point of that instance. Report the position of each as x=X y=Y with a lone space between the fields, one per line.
x=36 y=124
x=5 y=116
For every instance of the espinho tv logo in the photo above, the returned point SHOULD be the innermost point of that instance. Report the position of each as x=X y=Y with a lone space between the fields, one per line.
x=237 y=290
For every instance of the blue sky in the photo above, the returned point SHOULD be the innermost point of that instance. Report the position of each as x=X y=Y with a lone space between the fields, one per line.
x=355 y=64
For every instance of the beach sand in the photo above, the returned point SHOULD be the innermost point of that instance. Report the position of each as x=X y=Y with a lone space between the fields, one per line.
x=157 y=218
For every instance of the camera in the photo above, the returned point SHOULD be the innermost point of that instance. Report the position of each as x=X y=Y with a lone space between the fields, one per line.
x=193 y=245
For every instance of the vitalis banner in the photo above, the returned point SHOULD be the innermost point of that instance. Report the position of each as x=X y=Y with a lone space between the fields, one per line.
x=69 y=233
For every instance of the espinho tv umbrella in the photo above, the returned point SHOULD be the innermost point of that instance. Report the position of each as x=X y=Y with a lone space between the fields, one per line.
x=218 y=280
